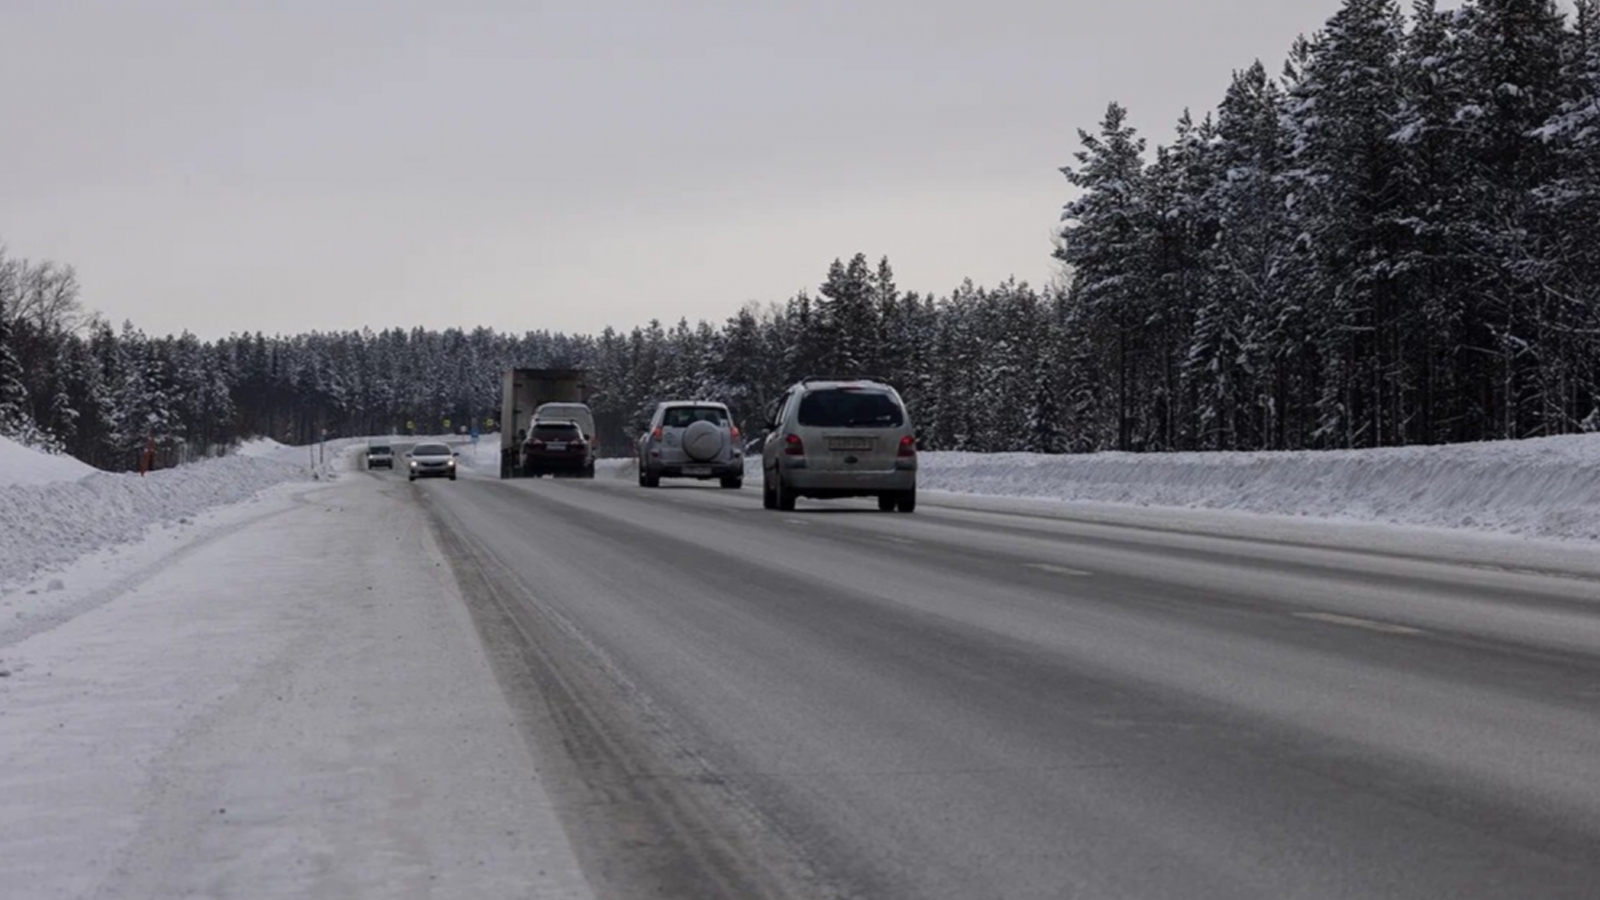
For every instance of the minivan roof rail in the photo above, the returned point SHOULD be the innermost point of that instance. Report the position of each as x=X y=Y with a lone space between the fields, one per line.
x=873 y=378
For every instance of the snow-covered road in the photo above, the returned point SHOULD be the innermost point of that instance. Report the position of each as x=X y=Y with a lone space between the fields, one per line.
x=293 y=704
x=360 y=687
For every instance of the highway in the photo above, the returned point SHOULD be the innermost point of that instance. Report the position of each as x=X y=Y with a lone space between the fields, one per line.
x=734 y=703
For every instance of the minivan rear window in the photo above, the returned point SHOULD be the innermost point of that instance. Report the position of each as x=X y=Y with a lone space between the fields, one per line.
x=684 y=416
x=850 y=408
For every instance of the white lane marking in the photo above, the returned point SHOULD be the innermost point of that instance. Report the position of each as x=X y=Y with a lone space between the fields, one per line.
x=797 y=522
x=1353 y=622
x=1058 y=570
x=897 y=540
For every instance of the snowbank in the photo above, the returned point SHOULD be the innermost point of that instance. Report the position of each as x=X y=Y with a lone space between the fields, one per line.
x=1543 y=488
x=25 y=465
x=44 y=526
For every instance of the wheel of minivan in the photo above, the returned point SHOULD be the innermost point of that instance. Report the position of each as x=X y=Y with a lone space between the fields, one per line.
x=784 y=496
x=888 y=502
x=769 y=497
x=908 y=501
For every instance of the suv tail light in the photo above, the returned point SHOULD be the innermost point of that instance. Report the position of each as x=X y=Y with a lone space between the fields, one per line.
x=536 y=444
x=908 y=446
x=733 y=431
x=655 y=433
x=793 y=446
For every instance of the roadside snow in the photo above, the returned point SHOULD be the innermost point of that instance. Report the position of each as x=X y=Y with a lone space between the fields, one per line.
x=294 y=704
x=25 y=465
x=1541 y=488
x=45 y=526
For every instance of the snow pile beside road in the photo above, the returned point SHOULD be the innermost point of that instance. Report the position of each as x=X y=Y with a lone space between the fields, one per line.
x=25 y=465
x=44 y=526
x=1544 y=488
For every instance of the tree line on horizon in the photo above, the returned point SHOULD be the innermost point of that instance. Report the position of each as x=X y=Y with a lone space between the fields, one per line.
x=1394 y=241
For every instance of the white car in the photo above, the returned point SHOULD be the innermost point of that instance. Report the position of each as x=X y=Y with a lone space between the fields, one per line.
x=431 y=461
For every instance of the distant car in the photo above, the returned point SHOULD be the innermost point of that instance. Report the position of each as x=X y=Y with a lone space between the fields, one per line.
x=380 y=456
x=577 y=412
x=557 y=447
x=431 y=461
x=834 y=439
x=691 y=440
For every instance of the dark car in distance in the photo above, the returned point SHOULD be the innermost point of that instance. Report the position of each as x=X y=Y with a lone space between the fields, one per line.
x=557 y=447
x=380 y=456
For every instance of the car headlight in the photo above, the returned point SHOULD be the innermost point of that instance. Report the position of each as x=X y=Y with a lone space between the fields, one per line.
x=413 y=464
x=452 y=464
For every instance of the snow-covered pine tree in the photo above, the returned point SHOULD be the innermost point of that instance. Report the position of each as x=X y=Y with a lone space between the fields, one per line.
x=1182 y=228
x=1101 y=240
x=1569 y=205
x=1505 y=61
x=16 y=421
x=1341 y=117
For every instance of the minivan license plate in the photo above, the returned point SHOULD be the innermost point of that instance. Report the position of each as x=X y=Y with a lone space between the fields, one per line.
x=849 y=443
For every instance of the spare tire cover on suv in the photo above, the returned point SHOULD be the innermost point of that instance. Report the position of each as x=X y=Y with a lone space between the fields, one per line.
x=702 y=441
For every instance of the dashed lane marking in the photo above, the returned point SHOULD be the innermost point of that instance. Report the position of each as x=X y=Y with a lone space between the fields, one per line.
x=1058 y=570
x=1353 y=622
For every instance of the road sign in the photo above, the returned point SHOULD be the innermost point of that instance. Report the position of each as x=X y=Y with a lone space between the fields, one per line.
x=410 y=425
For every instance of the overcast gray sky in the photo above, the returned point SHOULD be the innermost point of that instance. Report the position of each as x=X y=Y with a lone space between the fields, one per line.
x=290 y=166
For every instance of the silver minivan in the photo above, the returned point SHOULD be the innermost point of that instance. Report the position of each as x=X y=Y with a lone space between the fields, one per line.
x=834 y=439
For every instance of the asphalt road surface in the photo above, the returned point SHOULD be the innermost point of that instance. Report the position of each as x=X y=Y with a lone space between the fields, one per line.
x=736 y=703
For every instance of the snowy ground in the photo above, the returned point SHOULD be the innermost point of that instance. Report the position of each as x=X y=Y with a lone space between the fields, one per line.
x=1544 y=489
x=21 y=465
x=253 y=677
x=286 y=699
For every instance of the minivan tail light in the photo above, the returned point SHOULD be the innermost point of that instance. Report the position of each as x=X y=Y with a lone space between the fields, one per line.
x=793 y=446
x=908 y=446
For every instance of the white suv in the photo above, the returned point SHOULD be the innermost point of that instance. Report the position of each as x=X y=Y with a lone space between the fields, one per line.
x=691 y=440
x=832 y=439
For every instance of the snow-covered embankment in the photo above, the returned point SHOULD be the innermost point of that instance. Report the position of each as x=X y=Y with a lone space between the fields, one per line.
x=1540 y=488
x=47 y=523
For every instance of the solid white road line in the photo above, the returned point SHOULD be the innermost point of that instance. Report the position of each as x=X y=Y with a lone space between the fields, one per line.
x=1353 y=622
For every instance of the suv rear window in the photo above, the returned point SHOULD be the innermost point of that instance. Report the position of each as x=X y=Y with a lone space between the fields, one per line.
x=850 y=408
x=560 y=432
x=684 y=416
